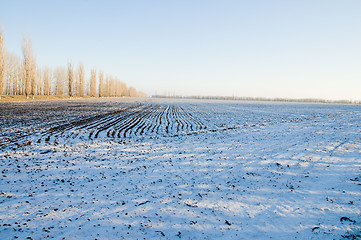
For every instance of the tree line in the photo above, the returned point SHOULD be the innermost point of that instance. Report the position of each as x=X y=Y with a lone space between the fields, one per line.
x=261 y=99
x=22 y=76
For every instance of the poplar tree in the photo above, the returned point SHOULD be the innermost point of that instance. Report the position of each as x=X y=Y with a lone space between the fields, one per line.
x=123 y=90
x=107 y=86
x=21 y=76
x=70 y=79
x=80 y=79
x=27 y=66
x=47 y=82
x=101 y=84
x=60 y=76
x=132 y=92
x=2 y=61
x=9 y=81
x=40 y=82
x=93 y=83
x=33 y=77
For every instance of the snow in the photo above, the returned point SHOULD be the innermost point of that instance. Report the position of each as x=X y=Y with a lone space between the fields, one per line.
x=256 y=171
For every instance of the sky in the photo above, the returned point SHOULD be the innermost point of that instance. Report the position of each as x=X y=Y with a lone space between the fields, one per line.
x=258 y=48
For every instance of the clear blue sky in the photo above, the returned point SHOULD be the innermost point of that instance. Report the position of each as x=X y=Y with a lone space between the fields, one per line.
x=254 y=48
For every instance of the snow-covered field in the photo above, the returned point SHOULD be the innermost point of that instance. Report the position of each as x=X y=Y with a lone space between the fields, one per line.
x=178 y=169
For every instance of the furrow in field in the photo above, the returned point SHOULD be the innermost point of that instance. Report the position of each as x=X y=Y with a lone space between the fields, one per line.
x=135 y=121
x=149 y=121
x=110 y=126
x=86 y=123
x=194 y=120
x=176 y=118
x=181 y=120
x=94 y=127
x=171 y=120
x=157 y=120
x=123 y=123
x=128 y=122
x=6 y=142
x=166 y=120
x=189 y=122
x=160 y=119
x=150 y=128
x=185 y=125
x=141 y=122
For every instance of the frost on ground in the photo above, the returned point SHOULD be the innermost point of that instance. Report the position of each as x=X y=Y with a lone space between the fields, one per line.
x=187 y=170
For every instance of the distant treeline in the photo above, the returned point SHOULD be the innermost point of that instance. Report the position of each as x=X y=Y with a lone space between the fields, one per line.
x=22 y=76
x=302 y=100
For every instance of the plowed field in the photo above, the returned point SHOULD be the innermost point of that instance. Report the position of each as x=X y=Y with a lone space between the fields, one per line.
x=179 y=169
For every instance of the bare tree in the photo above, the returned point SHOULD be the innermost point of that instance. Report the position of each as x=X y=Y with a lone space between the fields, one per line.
x=111 y=87
x=40 y=82
x=9 y=77
x=33 y=77
x=80 y=80
x=2 y=61
x=93 y=83
x=123 y=90
x=28 y=66
x=60 y=78
x=132 y=92
x=116 y=87
x=101 y=84
x=47 y=82
x=70 y=79
x=76 y=83
x=12 y=81
x=14 y=75
x=22 y=76
x=107 y=88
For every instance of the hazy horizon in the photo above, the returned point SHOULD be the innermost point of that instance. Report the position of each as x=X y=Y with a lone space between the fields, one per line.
x=206 y=48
